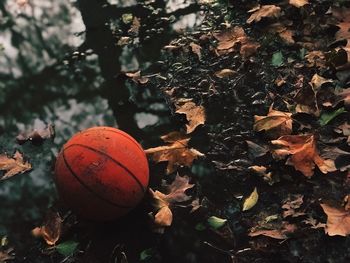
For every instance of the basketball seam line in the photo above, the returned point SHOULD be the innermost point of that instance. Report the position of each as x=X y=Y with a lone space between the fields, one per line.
x=113 y=160
x=88 y=188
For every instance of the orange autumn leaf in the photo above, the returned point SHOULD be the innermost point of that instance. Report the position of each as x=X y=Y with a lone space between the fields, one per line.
x=176 y=153
x=51 y=229
x=264 y=11
x=195 y=114
x=275 y=124
x=303 y=154
x=14 y=165
x=338 y=220
x=298 y=3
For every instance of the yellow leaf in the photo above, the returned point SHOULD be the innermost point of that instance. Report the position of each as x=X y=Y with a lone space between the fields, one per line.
x=251 y=201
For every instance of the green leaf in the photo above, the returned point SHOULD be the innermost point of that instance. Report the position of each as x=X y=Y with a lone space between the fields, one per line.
x=146 y=254
x=277 y=59
x=326 y=117
x=200 y=227
x=216 y=222
x=67 y=248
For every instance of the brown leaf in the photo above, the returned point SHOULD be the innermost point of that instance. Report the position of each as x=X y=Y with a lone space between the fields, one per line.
x=264 y=11
x=225 y=73
x=230 y=38
x=281 y=233
x=317 y=81
x=135 y=27
x=303 y=154
x=235 y=39
x=316 y=59
x=344 y=95
x=291 y=205
x=13 y=166
x=176 y=153
x=137 y=78
x=51 y=229
x=163 y=202
x=6 y=255
x=298 y=3
x=338 y=220
x=194 y=114
x=275 y=124
x=37 y=136
x=196 y=49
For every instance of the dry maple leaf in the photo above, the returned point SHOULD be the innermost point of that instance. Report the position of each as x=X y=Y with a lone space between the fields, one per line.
x=264 y=11
x=163 y=202
x=285 y=33
x=343 y=16
x=298 y=3
x=195 y=115
x=316 y=59
x=303 y=154
x=338 y=220
x=51 y=229
x=235 y=39
x=176 y=153
x=275 y=124
x=13 y=166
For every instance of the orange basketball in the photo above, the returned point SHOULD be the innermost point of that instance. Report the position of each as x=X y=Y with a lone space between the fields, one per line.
x=101 y=173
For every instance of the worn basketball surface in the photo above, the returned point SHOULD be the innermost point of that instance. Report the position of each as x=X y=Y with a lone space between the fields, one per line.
x=101 y=173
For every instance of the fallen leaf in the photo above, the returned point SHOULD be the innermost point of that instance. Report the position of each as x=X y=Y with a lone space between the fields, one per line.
x=225 y=73
x=6 y=255
x=280 y=233
x=262 y=171
x=137 y=78
x=275 y=124
x=37 y=136
x=316 y=59
x=264 y=11
x=255 y=150
x=317 y=81
x=196 y=49
x=162 y=202
x=176 y=153
x=338 y=220
x=303 y=154
x=313 y=223
x=67 y=248
x=13 y=166
x=291 y=205
x=327 y=117
x=344 y=95
x=251 y=201
x=235 y=39
x=216 y=222
x=135 y=26
x=51 y=229
x=298 y=3
x=277 y=59
x=195 y=115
